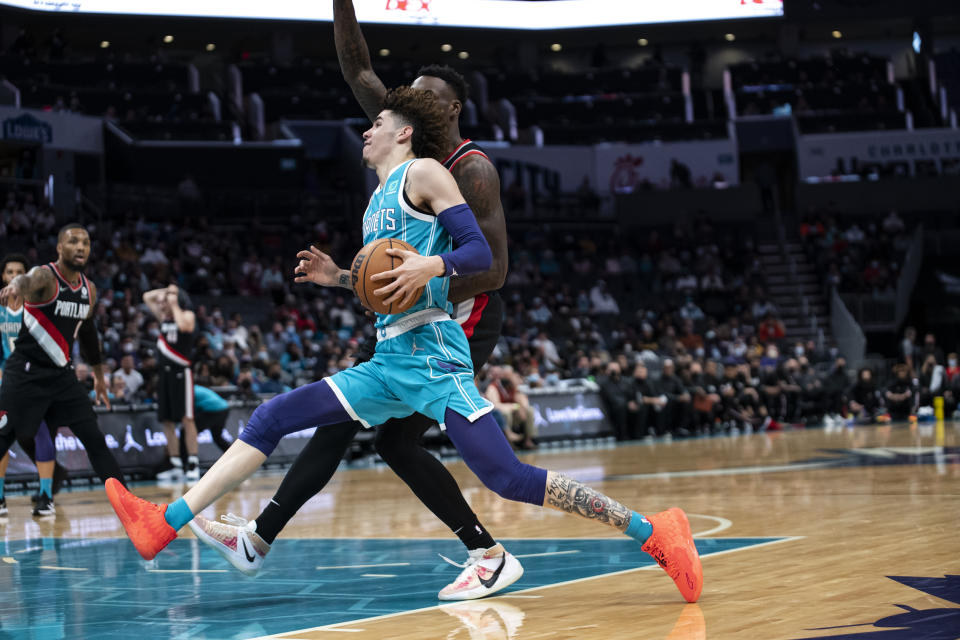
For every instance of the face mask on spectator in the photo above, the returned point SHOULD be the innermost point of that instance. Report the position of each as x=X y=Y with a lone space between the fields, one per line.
x=153 y=331
x=952 y=362
x=798 y=350
x=129 y=347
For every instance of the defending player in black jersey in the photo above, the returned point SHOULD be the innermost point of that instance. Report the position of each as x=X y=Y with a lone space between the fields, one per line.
x=39 y=383
x=478 y=308
x=175 y=386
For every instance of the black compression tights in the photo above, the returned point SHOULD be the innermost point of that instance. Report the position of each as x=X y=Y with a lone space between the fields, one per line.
x=398 y=443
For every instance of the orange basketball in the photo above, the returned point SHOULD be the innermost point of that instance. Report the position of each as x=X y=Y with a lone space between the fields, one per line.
x=371 y=260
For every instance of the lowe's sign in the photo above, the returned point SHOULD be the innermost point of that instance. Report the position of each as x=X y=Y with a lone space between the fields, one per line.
x=27 y=128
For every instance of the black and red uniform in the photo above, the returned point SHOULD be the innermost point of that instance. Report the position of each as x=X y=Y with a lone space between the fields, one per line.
x=175 y=382
x=39 y=382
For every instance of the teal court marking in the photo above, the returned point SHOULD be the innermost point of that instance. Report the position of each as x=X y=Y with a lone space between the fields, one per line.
x=184 y=593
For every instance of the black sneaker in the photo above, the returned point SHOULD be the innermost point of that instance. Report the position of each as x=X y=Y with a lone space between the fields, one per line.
x=3 y=507
x=44 y=506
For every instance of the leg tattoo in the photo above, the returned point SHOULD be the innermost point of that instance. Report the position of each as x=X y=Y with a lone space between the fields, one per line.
x=566 y=494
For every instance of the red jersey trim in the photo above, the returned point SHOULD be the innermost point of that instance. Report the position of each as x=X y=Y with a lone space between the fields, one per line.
x=457 y=150
x=47 y=336
x=67 y=282
x=479 y=304
x=171 y=353
x=472 y=152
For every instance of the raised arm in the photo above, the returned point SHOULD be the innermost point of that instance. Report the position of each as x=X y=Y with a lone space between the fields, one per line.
x=154 y=300
x=36 y=286
x=354 y=59
x=186 y=320
x=480 y=185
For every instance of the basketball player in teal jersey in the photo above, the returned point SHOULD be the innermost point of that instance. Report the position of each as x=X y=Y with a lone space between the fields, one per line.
x=11 y=317
x=478 y=308
x=421 y=363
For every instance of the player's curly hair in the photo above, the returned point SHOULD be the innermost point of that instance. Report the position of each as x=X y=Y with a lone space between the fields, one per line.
x=420 y=110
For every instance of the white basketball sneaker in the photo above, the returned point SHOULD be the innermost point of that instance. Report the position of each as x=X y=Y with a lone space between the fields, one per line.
x=485 y=572
x=237 y=541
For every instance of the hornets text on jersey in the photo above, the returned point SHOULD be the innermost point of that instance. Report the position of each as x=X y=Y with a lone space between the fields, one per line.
x=390 y=214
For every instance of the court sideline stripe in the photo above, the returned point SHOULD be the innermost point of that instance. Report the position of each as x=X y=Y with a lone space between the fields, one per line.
x=333 y=627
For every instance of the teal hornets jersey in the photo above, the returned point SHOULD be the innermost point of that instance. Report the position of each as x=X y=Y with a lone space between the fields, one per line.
x=390 y=214
x=10 y=322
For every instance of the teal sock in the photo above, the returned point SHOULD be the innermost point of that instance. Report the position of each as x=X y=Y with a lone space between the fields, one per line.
x=46 y=487
x=639 y=528
x=178 y=514
x=2 y=480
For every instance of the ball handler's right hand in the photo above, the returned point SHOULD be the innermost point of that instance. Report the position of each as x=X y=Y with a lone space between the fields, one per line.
x=317 y=267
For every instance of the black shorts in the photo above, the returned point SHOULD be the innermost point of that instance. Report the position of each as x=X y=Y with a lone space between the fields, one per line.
x=213 y=420
x=481 y=320
x=30 y=395
x=174 y=393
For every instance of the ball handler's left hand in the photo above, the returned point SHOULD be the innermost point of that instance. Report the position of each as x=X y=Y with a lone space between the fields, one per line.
x=9 y=294
x=414 y=272
x=100 y=391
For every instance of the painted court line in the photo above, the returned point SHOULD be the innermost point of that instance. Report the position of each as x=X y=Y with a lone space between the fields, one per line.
x=187 y=570
x=9 y=560
x=55 y=568
x=722 y=524
x=367 y=566
x=548 y=553
x=725 y=471
x=336 y=626
x=378 y=575
x=29 y=549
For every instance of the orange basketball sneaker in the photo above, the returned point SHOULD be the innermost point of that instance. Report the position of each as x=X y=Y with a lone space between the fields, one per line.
x=671 y=545
x=142 y=520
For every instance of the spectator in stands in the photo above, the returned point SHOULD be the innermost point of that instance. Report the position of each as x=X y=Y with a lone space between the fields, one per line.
x=118 y=390
x=507 y=398
x=893 y=223
x=771 y=329
x=908 y=348
x=132 y=379
x=763 y=307
x=620 y=397
x=864 y=398
x=812 y=396
x=900 y=395
x=792 y=389
x=690 y=311
x=540 y=314
x=930 y=348
x=703 y=385
x=273 y=383
x=931 y=380
x=651 y=404
x=680 y=402
x=953 y=369
x=601 y=301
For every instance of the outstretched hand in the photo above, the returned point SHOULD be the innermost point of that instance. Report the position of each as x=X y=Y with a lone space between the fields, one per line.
x=100 y=391
x=317 y=267
x=9 y=294
x=414 y=272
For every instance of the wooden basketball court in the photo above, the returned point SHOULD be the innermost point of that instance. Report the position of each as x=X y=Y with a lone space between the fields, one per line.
x=852 y=533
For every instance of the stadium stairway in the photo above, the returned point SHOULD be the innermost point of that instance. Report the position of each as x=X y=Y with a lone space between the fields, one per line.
x=795 y=289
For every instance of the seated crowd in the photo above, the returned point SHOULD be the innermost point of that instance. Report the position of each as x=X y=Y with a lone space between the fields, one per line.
x=673 y=324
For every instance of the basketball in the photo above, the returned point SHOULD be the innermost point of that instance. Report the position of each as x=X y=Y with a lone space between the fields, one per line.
x=371 y=260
